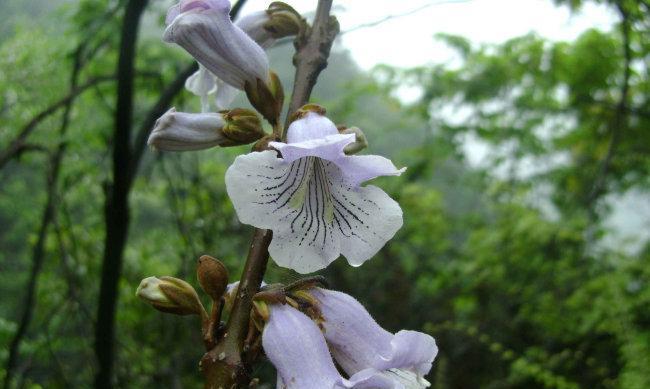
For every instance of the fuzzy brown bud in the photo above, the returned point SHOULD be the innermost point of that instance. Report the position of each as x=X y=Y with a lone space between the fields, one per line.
x=213 y=276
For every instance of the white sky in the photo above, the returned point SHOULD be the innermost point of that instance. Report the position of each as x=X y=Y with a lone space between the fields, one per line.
x=407 y=41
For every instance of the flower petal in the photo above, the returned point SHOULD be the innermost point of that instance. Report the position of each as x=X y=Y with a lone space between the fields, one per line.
x=202 y=83
x=357 y=342
x=292 y=200
x=410 y=350
x=353 y=335
x=314 y=214
x=405 y=379
x=297 y=349
x=311 y=126
x=358 y=169
x=225 y=95
x=329 y=147
x=219 y=45
x=365 y=218
x=253 y=25
x=180 y=131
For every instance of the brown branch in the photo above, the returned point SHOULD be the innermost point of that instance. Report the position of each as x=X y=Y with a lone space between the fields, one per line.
x=312 y=50
x=17 y=145
x=227 y=365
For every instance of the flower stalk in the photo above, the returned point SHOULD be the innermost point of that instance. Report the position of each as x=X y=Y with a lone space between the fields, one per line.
x=226 y=365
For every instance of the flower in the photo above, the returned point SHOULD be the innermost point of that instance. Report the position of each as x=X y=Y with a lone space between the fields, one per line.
x=204 y=29
x=357 y=342
x=203 y=83
x=181 y=131
x=297 y=349
x=312 y=199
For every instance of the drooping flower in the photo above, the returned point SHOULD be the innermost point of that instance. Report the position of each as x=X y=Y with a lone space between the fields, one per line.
x=181 y=131
x=312 y=199
x=204 y=29
x=297 y=349
x=357 y=342
x=205 y=84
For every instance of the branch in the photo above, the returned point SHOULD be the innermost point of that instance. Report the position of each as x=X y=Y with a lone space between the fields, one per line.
x=17 y=145
x=312 y=51
x=226 y=365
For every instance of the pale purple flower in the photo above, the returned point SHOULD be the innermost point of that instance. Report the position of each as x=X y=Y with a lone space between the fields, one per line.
x=312 y=199
x=180 y=131
x=204 y=29
x=253 y=25
x=297 y=349
x=357 y=342
x=205 y=84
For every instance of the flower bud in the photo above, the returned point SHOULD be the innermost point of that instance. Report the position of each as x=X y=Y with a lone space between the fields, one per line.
x=267 y=98
x=213 y=276
x=243 y=126
x=284 y=20
x=170 y=295
x=360 y=140
x=180 y=131
x=204 y=29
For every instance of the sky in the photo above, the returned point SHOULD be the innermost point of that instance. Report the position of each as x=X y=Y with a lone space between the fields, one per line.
x=408 y=40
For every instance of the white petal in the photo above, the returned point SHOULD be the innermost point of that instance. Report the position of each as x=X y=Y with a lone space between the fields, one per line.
x=225 y=95
x=329 y=147
x=292 y=200
x=406 y=379
x=365 y=218
x=358 y=169
x=202 y=83
x=311 y=126
x=314 y=213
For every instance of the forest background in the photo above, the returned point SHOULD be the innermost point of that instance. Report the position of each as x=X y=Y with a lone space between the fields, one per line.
x=514 y=264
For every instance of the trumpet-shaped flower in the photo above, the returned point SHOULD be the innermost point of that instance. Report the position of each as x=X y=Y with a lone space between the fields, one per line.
x=204 y=29
x=311 y=197
x=357 y=342
x=297 y=349
x=203 y=83
x=180 y=131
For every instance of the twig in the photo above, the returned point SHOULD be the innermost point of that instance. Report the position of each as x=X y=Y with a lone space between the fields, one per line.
x=16 y=145
x=312 y=51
